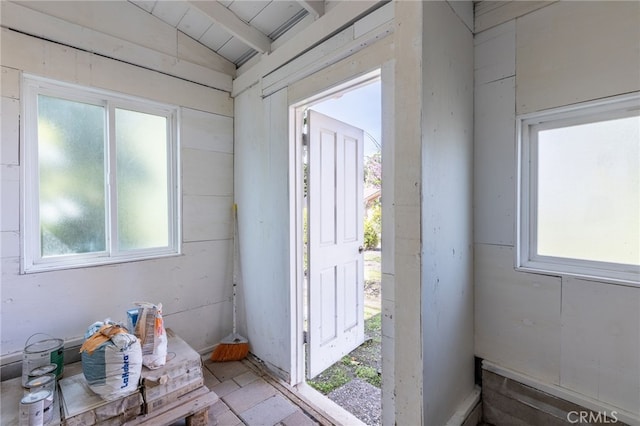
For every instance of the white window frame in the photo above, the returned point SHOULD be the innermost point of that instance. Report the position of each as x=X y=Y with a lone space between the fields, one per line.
x=527 y=125
x=32 y=261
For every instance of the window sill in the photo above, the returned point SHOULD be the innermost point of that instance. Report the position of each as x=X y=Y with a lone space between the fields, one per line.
x=616 y=278
x=48 y=267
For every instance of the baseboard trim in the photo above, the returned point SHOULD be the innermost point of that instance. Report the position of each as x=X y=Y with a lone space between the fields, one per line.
x=465 y=409
x=563 y=393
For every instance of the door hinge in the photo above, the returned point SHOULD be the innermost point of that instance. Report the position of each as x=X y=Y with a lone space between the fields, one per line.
x=305 y=337
x=305 y=139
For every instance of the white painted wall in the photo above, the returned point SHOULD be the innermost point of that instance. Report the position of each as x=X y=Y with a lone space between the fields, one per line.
x=120 y=30
x=446 y=211
x=262 y=170
x=432 y=169
x=579 y=337
x=261 y=189
x=407 y=197
x=428 y=162
x=388 y=245
x=195 y=287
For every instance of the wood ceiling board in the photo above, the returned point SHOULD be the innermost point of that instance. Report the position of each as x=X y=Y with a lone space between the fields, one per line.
x=170 y=12
x=123 y=20
x=317 y=30
x=194 y=23
x=146 y=5
x=234 y=49
x=234 y=25
x=248 y=9
x=195 y=51
x=215 y=37
x=275 y=15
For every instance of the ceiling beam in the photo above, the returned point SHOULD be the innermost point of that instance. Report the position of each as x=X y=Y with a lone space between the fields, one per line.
x=344 y=12
x=225 y=18
x=314 y=7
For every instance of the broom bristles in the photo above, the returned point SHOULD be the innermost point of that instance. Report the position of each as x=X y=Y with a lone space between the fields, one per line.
x=230 y=352
x=231 y=348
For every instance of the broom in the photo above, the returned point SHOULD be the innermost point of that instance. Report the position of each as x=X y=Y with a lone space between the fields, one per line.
x=234 y=347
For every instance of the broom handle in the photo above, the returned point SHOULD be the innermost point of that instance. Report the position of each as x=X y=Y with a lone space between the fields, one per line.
x=235 y=266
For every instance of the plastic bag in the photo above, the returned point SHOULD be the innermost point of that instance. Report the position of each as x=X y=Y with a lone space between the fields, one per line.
x=148 y=325
x=111 y=360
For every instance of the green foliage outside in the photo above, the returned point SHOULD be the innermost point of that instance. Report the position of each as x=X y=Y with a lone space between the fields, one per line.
x=370 y=235
x=369 y=374
x=373 y=227
x=331 y=379
x=373 y=328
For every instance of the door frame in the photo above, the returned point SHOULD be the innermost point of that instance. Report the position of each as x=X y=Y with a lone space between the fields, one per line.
x=296 y=205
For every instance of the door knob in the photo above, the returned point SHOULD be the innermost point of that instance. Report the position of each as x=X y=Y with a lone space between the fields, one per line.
x=360 y=249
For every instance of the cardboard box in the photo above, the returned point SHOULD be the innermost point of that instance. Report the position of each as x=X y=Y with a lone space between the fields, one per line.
x=183 y=368
x=154 y=405
x=153 y=390
x=81 y=406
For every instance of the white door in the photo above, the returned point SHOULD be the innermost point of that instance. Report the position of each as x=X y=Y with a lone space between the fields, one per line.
x=335 y=221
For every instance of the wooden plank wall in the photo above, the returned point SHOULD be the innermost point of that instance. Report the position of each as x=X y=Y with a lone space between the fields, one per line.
x=122 y=31
x=570 y=335
x=194 y=287
x=446 y=216
x=407 y=191
x=506 y=401
x=261 y=188
x=257 y=161
x=488 y=14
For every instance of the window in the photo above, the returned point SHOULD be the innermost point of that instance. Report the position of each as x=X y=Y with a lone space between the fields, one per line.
x=100 y=177
x=580 y=190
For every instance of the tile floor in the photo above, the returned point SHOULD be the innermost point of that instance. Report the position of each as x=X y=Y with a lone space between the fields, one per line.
x=249 y=396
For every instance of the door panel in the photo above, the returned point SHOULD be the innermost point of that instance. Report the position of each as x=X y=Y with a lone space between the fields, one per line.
x=327 y=175
x=328 y=282
x=335 y=221
x=352 y=206
x=351 y=285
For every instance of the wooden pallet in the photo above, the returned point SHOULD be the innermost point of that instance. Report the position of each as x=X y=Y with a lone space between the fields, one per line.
x=194 y=407
x=180 y=375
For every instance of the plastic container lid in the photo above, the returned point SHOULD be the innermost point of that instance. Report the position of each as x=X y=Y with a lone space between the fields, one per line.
x=42 y=370
x=39 y=381
x=32 y=397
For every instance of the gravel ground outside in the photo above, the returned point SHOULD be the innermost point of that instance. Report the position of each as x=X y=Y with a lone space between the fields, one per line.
x=361 y=399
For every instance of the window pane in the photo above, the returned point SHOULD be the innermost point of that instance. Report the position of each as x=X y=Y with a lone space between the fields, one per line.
x=143 y=206
x=71 y=173
x=589 y=191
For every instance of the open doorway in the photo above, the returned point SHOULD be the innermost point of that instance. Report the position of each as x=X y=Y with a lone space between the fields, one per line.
x=341 y=155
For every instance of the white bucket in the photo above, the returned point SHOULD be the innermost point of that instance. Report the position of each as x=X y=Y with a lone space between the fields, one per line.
x=41 y=353
x=36 y=409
